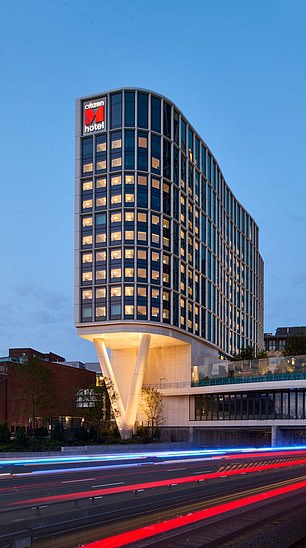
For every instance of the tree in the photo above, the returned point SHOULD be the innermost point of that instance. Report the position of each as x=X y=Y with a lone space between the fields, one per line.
x=295 y=345
x=98 y=403
x=152 y=405
x=35 y=389
x=249 y=353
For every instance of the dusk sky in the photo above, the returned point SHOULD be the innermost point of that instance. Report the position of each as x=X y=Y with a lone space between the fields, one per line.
x=237 y=70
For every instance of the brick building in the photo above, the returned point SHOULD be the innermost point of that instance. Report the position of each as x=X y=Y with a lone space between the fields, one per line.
x=55 y=403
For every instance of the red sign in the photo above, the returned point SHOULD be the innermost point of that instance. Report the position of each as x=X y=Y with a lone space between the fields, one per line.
x=93 y=116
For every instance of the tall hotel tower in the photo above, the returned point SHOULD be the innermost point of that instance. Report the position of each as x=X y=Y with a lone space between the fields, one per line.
x=168 y=276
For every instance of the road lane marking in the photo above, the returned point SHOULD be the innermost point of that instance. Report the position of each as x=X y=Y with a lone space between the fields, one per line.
x=200 y=472
x=109 y=484
x=175 y=469
x=77 y=480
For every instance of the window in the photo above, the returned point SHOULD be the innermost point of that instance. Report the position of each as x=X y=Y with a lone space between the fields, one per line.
x=155 y=183
x=87 y=185
x=129 y=235
x=129 y=310
x=142 y=291
x=155 y=114
x=87 y=240
x=155 y=275
x=155 y=238
x=155 y=256
x=155 y=293
x=142 y=110
x=100 y=219
x=142 y=310
x=86 y=294
x=100 y=238
x=87 y=221
x=101 y=274
x=87 y=276
x=142 y=254
x=101 y=183
x=116 y=199
x=129 y=272
x=116 y=236
x=101 y=202
x=115 y=254
x=129 y=253
x=86 y=313
x=129 y=216
x=116 y=291
x=115 y=310
x=101 y=147
x=101 y=293
x=142 y=236
x=129 y=149
x=87 y=258
x=115 y=273
x=115 y=180
x=129 y=291
x=116 y=140
x=116 y=108
x=100 y=311
x=129 y=179
x=129 y=198
x=155 y=311
x=142 y=217
x=116 y=217
x=166 y=314
x=142 y=180
x=141 y=272
x=129 y=108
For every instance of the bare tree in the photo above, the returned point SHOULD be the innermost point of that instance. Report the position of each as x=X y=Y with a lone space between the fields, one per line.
x=152 y=405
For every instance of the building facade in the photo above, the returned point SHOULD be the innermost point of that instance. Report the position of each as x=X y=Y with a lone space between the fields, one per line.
x=168 y=274
x=275 y=344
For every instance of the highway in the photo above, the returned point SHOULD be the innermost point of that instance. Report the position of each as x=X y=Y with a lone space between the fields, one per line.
x=65 y=504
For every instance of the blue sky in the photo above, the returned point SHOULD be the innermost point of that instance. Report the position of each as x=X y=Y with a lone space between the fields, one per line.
x=236 y=69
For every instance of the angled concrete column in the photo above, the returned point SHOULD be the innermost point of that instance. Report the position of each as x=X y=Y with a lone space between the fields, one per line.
x=126 y=414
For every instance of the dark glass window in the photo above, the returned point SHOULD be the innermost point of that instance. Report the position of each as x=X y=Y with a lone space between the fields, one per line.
x=116 y=110
x=167 y=199
x=176 y=166
x=101 y=153
x=190 y=145
x=167 y=120
x=130 y=108
x=203 y=160
x=155 y=194
x=87 y=155
x=176 y=127
x=183 y=135
x=197 y=151
x=167 y=158
x=155 y=152
x=142 y=110
x=142 y=151
x=129 y=149
x=155 y=114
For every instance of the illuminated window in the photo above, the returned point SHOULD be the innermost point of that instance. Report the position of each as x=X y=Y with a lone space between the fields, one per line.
x=142 y=236
x=142 y=142
x=101 y=293
x=182 y=320
x=100 y=202
x=116 y=162
x=141 y=273
x=101 y=147
x=182 y=269
x=101 y=183
x=142 y=217
x=166 y=223
x=86 y=294
x=155 y=183
x=116 y=291
x=142 y=291
x=116 y=273
x=87 y=240
x=155 y=256
x=117 y=143
x=87 y=185
x=87 y=168
x=155 y=275
x=155 y=238
x=141 y=254
x=129 y=310
x=182 y=303
x=100 y=256
x=165 y=295
x=87 y=276
x=129 y=253
x=87 y=258
x=142 y=180
x=155 y=220
x=116 y=199
x=129 y=272
x=155 y=311
x=166 y=259
x=87 y=221
x=129 y=234
x=101 y=165
x=116 y=217
x=100 y=238
x=116 y=180
x=166 y=188
x=129 y=215
x=129 y=291
x=115 y=254
x=100 y=311
x=116 y=236
x=166 y=278
x=166 y=314
x=141 y=310
x=129 y=198
x=155 y=163
x=129 y=179
x=166 y=241
x=155 y=293
x=101 y=274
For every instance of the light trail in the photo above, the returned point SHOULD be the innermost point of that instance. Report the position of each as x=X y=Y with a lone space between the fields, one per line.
x=135 y=535
x=159 y=483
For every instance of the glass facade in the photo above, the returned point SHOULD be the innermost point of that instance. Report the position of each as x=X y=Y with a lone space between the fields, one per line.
x=257 y=405
x=162 y=237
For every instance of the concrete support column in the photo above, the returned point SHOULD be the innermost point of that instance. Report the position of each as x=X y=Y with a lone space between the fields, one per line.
x=137 y=380
x=274 y=436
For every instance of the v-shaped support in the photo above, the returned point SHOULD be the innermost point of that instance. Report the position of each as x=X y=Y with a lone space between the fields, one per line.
x=125 y=415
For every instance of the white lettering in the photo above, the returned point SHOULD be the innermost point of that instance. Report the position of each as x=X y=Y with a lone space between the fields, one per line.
x=94 y=105
x=93 y=127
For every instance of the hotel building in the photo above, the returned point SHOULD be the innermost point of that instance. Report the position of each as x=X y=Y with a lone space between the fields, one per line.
x=168 y=275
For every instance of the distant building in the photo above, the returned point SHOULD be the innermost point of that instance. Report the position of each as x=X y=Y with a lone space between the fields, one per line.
x=276 y=343
x=66 y=382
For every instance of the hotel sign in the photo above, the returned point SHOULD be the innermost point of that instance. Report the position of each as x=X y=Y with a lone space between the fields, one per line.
x=94 y=116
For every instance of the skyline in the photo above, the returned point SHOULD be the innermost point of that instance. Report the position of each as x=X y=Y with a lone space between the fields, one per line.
x=247 y=104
